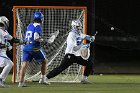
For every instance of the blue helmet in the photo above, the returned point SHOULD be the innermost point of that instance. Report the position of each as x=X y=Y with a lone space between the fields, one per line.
x=38 y=15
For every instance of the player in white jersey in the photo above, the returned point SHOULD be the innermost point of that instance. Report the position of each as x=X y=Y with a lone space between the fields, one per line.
x=4 y=45
x=5 y=37
x=73 y=53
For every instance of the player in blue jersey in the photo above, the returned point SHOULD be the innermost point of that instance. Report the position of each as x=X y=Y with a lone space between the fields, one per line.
x=32 y=49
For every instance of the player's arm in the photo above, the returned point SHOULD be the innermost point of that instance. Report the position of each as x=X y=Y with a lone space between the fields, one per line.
x=37 y=37
x=12 y=39
x=75 y=48
x=8 y=36
x=7 y=45
x=18 y=41
x=88 y=37
x=2 y=46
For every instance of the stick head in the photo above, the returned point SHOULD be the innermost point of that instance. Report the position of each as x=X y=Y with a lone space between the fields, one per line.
x=53 y=37
x=77 y=25
x=85 y=52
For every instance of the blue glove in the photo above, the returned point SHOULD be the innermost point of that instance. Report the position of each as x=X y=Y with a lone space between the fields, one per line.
x=86 y=45
x=91 y=38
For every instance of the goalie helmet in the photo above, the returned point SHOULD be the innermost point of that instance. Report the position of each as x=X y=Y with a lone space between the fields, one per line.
x=39 y=15
x=76 y=23
x=4 y=20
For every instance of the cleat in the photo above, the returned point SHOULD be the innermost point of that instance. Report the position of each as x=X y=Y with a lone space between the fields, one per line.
x=44 y=81
x=85 y=82
x=22 y=85
x=1 y=83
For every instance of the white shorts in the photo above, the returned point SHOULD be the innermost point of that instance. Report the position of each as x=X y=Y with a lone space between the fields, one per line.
x=4 y=59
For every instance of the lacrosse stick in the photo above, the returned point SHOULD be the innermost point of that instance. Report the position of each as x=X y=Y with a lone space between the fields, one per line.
x=53 y=37
x=93 y=37
x=85 y=49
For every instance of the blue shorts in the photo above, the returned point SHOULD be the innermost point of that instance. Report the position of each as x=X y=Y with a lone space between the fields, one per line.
x=39 y=56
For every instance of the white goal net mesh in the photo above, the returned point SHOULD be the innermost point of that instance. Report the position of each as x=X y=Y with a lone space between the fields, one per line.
x=54 y=19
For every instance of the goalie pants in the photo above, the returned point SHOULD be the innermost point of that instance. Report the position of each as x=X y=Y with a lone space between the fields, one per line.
x=68 y=60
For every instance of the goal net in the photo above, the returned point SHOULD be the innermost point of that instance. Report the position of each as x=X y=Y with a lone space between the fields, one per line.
x=55 y=18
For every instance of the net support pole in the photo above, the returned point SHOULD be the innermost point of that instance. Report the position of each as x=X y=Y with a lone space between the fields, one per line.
x=40 y=7
x=85 y=32
x=14 y=46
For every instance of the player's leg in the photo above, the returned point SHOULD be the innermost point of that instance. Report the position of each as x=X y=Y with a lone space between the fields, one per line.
x=66 y=62
x=7 y=64
x=40 y=56
x=88 y=67
x=87 y=71
x=26 y=59
x=43 y=79
x=43 y=68
x=6 y=69
x=22 y=74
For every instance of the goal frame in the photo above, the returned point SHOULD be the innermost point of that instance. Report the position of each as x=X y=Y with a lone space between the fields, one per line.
x=42 y=7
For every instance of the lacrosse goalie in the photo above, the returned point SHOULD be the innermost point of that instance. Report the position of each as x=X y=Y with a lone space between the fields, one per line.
x=76 y=52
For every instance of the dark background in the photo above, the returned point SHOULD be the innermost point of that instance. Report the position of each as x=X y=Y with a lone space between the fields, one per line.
x=116 y=51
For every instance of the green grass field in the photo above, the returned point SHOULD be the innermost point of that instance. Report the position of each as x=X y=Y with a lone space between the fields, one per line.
x=100 y=84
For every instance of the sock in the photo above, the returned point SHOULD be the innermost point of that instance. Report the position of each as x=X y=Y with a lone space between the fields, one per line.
x=46 y=78
x=84 y=77
x=43 y=76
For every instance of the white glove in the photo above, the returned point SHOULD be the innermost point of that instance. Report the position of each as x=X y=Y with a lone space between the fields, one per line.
x=10 y=48
x=86 y=46
x=92 y=38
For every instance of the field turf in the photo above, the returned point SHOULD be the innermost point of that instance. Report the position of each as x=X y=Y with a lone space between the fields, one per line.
x=100 y=84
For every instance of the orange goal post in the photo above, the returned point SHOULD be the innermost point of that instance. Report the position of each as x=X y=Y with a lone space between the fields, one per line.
x=55 y=18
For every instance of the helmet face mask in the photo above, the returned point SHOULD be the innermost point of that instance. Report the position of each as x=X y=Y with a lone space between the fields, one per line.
x=76 y=24
x=39 y=15
x=4 y=21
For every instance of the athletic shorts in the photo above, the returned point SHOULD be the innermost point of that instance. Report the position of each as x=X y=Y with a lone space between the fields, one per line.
x=39 y=56
x=4 y=59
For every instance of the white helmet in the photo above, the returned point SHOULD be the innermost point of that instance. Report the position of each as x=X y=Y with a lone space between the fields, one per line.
x=4 y=21
x=76 y=23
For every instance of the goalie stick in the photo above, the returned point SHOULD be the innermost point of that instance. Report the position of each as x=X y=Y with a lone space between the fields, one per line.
x=96 y=33
x=85 y=49
x=51 y=38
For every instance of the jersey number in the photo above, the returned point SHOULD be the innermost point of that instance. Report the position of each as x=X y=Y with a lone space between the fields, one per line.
x=79 y=40
x=28 y=35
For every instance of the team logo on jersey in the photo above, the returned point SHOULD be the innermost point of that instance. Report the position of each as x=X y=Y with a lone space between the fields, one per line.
x=79 y=41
